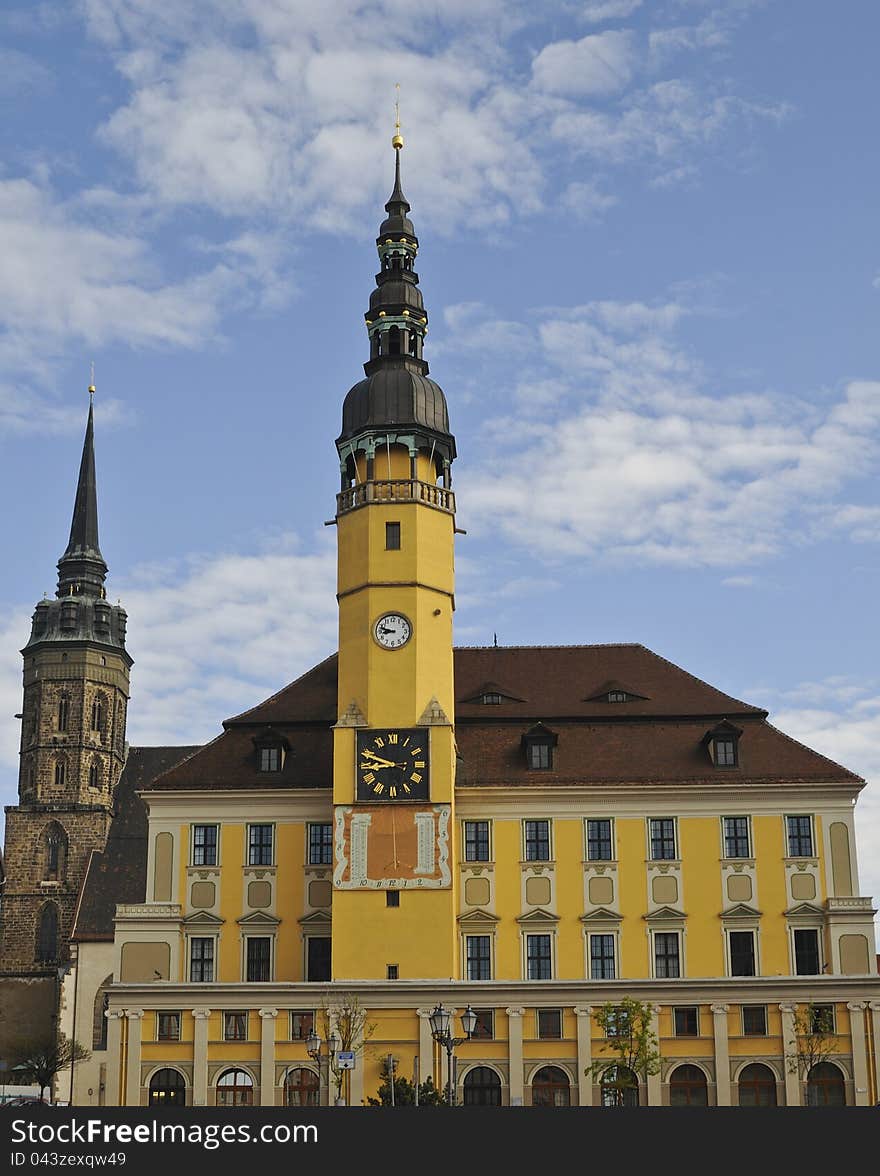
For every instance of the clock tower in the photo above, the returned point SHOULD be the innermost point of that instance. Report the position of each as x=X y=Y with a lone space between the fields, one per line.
x=394 y=752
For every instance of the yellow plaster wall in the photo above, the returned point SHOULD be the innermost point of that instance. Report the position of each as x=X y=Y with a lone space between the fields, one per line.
x=701 y=882
x=768 y=834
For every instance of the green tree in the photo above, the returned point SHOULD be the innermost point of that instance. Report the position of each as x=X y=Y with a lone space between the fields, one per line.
x=405 y=1092
x=344 y=1016
x=631 y=1042
x=813 y=1040
x=40 y=1063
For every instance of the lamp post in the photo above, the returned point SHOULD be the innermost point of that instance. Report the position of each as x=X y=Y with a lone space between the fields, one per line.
x=313 y=1048
x=440 y=1021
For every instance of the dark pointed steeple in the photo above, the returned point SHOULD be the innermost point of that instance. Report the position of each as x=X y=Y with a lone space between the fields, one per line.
x=81 y=569
x=397 y=394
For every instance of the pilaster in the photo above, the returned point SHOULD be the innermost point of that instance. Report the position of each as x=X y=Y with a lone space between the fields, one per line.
x=859 y=1053
x=133 y=1064
x=722 y=1055
x=655 y=1089
x=200 y=1057
x=584 y=1014
x=515 y=1054
x=115 y=1018
x=267 y=1057
x=789 y=1049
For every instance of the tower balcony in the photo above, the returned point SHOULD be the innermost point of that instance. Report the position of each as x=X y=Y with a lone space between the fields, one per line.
x=395 y=490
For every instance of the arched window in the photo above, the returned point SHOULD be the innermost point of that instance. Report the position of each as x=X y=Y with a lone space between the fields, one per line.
x=95 y=774
x=620 y=1087
x=99 y=1020
x=167 y=1089
x=482 y=1088
x=757 y=1086
x=47 y=934
x=60 y=773
x=98 y=711
x=394 y=341
x=235 y=1088
x=825 y=1086
x=54 y=853
x=550 y=1088
x=301 y=1088
x=687 y=1087
x=63 y=712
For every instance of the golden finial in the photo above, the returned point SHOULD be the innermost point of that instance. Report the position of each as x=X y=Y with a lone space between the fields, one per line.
x=92 y=379
x=397 y=141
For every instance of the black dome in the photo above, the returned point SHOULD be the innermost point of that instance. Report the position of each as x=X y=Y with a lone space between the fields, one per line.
x=394 y=396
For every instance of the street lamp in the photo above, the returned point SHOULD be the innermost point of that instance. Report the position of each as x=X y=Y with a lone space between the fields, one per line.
x=313 y=1048
x=440 y=1021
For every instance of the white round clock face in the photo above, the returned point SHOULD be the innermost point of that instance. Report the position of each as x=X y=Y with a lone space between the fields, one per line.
x=392 y=631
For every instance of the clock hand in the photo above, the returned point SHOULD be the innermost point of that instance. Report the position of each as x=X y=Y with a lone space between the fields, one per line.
x=376 y=761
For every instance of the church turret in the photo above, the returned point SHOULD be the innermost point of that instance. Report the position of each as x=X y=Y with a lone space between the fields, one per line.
x=73 y=745
x=394 y=757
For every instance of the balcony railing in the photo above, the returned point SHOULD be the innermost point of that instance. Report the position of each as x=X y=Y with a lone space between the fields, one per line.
x=396 y=490
x=833 y=905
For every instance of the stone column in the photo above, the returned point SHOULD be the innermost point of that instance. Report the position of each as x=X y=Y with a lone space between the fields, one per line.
x=426 y=1047
x=789 y=1053
x=515 y=1054
x=874 y=1006
x=267 y=1057
x=114 y=1060
x=655 y=1088
x=133 y=1065
x=584 y=1014
x=722 y=1055
x=859 y=1054
x=200 y=1057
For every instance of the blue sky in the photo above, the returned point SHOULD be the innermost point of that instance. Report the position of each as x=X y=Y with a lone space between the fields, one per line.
x=650 y=259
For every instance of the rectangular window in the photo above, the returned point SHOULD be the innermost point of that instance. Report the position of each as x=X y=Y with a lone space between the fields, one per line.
x=742 y=953
x=302 y=1022
x=485 y=1026
x=270 y=759
x=392 y=536
x=204 y=845
x=539 y=755
x=599 y=848
x=259 y=958
x=318 y=957
x=662 y=839
x=392 y=898
x=666 y=955
x=539 y=964
x=754 y=1020
x=476 y=841
x=260 y=845
x=478 y=952
x=168 y=1026
x=821 y=1018
x=550 y=1024
x=601 y=957
x=736 y=837
x=686 y=1021
x=320 y=845
x=391 y=971
x=806 y=953
x=800 y=836
x=201 y=960
x=537 y=837
x=235 y=1026
x=725 y=751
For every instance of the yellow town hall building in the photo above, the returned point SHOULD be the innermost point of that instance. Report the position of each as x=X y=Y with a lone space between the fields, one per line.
x=525 y=833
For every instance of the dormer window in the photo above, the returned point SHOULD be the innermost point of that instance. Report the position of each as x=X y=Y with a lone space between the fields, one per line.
x=615 y=691
x=617 y=696
x=491 y=698
x=271 y=748
x=723 y=744
x=539 y=745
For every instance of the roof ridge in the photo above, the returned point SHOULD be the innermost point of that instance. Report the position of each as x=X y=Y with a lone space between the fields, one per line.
x=703 y=682
x=281 y=690
x=821 y=755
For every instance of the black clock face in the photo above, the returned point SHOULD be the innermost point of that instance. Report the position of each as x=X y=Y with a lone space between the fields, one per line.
x=392 y=764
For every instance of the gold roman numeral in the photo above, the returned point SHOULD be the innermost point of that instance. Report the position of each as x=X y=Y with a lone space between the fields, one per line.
x=416 y=778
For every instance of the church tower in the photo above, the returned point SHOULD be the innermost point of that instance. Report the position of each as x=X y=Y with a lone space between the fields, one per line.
x=394 y=908
x=76 y=688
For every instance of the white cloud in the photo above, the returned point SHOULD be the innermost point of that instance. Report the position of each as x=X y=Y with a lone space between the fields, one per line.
x=738 y=582
x=632 y=455
x=601 y=63
x=602 y=10
x=585 y=201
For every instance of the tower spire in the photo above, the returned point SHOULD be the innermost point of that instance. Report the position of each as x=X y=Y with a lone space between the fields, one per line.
x=81 y=569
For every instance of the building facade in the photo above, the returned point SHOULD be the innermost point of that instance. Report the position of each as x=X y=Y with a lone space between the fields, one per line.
x=532 y=833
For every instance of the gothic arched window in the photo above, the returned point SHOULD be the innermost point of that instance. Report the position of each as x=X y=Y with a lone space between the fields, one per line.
x=95 y=774
x=47 y=934
x=99 y=1020
x=63 y=712
x=98 y=713
x=54 y=852
x=60 y=773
